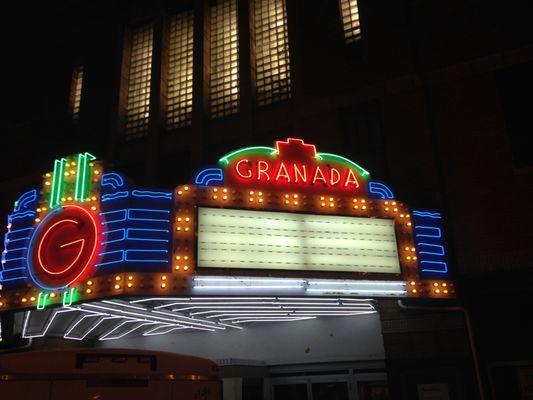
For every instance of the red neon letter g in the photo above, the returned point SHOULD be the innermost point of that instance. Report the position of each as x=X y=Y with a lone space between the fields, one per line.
x=247 y=174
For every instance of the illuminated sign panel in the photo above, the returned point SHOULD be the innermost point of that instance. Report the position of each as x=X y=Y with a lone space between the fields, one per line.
x=293 y=164
x=287 y=217
x=249 y=239
x=63 y=247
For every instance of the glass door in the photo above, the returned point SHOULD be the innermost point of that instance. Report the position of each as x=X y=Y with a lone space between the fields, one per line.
x=290 y=391
x=319 y=387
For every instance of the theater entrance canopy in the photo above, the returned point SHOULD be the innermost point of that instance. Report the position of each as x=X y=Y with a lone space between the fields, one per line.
x=269 y=234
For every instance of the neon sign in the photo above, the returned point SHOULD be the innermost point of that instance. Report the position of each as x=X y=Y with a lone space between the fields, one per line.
x=293 y=164
x=87 y=233
x=64 y=247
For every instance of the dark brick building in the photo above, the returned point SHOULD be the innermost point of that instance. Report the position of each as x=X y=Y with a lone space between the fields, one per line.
x=432 y=97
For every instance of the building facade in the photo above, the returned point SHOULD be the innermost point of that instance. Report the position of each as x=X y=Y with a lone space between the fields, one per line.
x=433 y=99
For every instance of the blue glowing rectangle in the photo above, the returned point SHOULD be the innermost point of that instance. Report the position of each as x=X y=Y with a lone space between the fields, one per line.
x=429 y=242
x=149 y=235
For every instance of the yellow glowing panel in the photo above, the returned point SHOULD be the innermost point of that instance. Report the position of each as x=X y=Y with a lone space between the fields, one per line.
x=180 y=70
x=140 y=71
x=224 y=83
x=350 y=20
x=250 y=239
x=77 y=84
x=273 y=80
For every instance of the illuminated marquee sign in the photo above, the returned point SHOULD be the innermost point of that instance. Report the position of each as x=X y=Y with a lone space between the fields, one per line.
x=294 y=241
x=293 y=165
x=273 y=219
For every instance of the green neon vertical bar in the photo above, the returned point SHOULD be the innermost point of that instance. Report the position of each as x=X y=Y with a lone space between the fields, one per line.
x=57 y=180
x=68 y=297
x=61 y=177
x=86 y=174
x=51 y=203
x=41 y=301
x=78 y=196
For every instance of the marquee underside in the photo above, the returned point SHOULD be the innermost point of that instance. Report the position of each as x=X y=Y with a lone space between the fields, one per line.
x=117 y=319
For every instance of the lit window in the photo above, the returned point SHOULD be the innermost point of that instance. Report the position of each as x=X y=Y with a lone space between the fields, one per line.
x=350 y=20
x=272 y=51
x=138 y=103
x=180 y=64
x=224 y=84
x=75 y=92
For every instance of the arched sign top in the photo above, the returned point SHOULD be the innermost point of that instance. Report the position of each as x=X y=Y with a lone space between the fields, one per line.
x=290 y=165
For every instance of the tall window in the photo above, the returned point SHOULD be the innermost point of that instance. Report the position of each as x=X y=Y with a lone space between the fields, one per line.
x=180 y=70
x=350 y=20
x=138 y=103
x=75 y=93
x=224 y=84
x=273 y=78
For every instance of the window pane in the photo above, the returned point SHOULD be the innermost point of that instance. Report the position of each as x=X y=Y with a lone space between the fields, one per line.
x=272 y=61
x=224 y=83
x=138 y=103
x=180 y=70
x=330 y=391
x=296 y=391
x=75 y=89
x=350 y=20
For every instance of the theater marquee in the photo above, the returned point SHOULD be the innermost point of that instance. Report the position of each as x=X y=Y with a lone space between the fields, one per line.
x=271 y=221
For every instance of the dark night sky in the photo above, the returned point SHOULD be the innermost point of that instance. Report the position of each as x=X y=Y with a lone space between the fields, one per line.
x=43 y=42
x=40 y=42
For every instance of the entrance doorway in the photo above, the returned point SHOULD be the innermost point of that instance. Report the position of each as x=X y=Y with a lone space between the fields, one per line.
x=351 y=386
